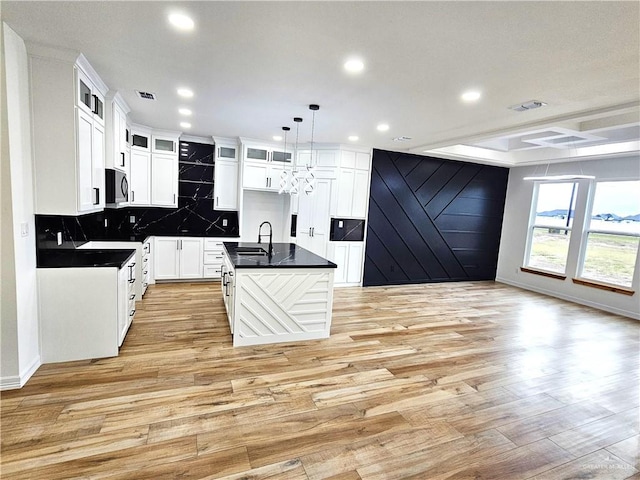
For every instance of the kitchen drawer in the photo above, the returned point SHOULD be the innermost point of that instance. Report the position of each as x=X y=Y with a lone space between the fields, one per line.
x=212 y=271
x=212 y=258
x=213 y=244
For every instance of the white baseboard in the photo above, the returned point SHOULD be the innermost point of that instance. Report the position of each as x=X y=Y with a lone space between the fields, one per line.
x=18 y=381
x=581 y=301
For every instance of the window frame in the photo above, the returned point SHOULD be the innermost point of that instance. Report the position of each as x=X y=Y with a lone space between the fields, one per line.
x=532 y=225
x=582 y=254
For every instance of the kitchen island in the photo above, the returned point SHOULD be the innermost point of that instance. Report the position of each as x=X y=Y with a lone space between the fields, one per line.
x=278 y=294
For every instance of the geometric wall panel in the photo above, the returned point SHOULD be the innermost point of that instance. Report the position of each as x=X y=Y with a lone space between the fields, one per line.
x=432 y=220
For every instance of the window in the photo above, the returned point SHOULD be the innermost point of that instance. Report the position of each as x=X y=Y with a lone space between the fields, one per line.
x=550 y=226
x=613 y=234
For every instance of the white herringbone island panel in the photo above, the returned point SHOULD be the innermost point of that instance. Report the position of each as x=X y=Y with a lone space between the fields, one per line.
x=290 y=304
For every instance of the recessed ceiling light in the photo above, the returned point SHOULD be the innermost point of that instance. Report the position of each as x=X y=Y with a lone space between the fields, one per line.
x=184 y=111
x=470 y=96
x=383 y=127
x=181 y=22
x=185 y=124
x=354 y=65
x=185 y=92
x=277 y=138
x=353 y=138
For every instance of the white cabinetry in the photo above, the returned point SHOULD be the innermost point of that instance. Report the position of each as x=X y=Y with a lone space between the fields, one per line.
x=312 y=230
x=349 y=257
x=67 y=101
x=164 y=180
x=225 y=182
x=227 y=285
x=84 y=312
x=140 y=178
x=352 y=186
x=146 y=266
x=177 y=258
x=263 y=166
x=213 y=251
x=118 y=148
x=153 y=179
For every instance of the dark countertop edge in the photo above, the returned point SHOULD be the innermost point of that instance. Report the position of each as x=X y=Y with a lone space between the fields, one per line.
x=115 y=258
x=318 y=261
x=144 y=237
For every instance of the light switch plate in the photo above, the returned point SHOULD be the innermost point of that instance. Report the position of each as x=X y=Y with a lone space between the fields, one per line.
x=132 y=219
x=224 y=222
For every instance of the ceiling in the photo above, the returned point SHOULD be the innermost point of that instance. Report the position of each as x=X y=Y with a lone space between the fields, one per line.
x=255 y=65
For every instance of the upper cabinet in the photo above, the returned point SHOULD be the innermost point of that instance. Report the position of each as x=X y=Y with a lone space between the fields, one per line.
x=352 y=190
x=225 y=174
x=166 y=144
x=153 y=174
x=118 y=133
x=68 y=133
x=263 y=165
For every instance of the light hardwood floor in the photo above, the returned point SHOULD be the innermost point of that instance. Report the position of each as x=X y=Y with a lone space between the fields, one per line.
x=439 y=381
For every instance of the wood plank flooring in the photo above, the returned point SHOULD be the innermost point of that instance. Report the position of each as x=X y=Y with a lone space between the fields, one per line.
x=439 y=381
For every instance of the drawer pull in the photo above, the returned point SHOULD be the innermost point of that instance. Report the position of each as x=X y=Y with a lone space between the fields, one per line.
x=133 y=312
x=132 y=296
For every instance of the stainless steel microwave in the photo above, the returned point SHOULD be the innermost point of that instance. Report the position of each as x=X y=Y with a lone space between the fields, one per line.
x=116 y=186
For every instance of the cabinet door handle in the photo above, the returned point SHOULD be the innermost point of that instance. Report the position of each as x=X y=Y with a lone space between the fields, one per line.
x=133 y=295
x=133 y=196
x=217 y=201
x=122 y=156
x=95 y=104
x=174 y=198
x=96 y=197
x=133 y=312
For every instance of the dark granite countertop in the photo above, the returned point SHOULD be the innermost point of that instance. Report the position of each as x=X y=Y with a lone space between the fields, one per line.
x=285 y=255
x=66 y=258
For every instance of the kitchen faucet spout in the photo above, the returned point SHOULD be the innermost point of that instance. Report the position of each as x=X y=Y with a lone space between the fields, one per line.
x=270 y=236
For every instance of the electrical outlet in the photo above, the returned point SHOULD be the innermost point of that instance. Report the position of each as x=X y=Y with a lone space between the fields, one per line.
x=59 y=238
x=340 y=224
x=132 y=219
x=225 y=222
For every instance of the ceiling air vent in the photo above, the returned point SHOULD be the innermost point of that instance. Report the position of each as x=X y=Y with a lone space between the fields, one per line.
x=146 y=95
x=530 y=105
x=402 y=139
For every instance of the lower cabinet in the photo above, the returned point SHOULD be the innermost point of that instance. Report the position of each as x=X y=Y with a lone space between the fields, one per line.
x=178 y=258
x=85 y=313
x=349 y=257
x=213 y=251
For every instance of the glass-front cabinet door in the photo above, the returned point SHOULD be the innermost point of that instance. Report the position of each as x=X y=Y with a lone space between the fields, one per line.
x=257 y=154
x=164 y=145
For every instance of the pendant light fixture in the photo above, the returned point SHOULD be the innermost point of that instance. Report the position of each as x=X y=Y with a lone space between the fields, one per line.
x=295 y=182
x=309 y=178
x=284 y=175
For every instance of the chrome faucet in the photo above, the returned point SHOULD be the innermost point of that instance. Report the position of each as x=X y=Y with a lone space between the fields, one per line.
x=270 y=236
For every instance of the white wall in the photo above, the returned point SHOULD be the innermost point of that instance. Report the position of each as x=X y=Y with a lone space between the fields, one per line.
x=514 y=236
x=21 y=346
x=258 y=207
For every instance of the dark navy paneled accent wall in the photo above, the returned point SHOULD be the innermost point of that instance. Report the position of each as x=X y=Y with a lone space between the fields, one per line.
x=432 y=220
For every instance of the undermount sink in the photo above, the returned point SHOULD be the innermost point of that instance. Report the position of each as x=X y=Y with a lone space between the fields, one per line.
x=250 y=251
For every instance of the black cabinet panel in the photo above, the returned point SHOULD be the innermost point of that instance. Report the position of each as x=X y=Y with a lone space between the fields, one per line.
x=432 y=220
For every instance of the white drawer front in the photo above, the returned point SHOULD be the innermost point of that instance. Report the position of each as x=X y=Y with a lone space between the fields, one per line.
x=213 y=258
x=212 y=244
x=212 y=271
